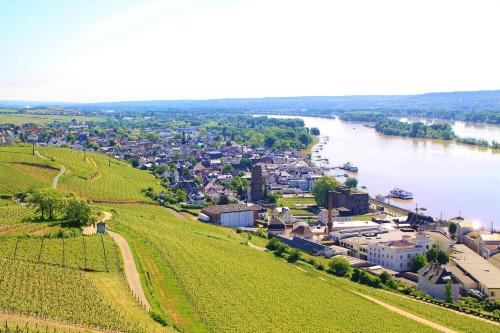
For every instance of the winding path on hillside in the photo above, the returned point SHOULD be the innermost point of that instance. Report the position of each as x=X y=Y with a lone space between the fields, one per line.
x=62 y=169
x=56 y=179
x=131 y=273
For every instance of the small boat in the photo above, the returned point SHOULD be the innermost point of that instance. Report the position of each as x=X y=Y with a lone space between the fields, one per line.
x=400 y=194
x=349 y=167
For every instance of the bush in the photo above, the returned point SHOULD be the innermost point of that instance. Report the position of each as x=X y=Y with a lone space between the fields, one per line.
x=356 y=274
x=339 y=266
x=294 y=256
x=262 y=233
x=159 y=318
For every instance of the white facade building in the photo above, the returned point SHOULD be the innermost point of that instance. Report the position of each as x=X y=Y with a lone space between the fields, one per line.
x=397 y=255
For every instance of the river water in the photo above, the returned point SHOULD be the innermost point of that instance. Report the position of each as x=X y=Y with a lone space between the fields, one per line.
x=446 y=178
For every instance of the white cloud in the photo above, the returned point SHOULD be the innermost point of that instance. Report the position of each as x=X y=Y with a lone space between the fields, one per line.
x=167 y=50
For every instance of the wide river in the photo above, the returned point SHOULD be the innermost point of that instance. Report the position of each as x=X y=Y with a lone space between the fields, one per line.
x=446 y=178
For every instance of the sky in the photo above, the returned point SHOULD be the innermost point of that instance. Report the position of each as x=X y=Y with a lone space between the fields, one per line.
x=94 y=50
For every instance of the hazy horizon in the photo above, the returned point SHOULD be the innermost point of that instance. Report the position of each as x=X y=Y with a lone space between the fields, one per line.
x=190 y=49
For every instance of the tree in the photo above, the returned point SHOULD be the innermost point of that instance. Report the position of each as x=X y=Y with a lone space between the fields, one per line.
x=270 y=140
x=351 y=182
x=245 y=163
x=321 y=188
x=452 y=228
x=227 y=169
x=442 y=258
x=134 y=161
x=181 y=195
x=315 y=131
x=432 y=255
x=223 y=200
x=294 y=256
x=418 y=262
x=304 y=139
x=384 y=277
x=339 y=266
x=46 y=201
x=271 y=198
x=79 y=211
x=356 y=275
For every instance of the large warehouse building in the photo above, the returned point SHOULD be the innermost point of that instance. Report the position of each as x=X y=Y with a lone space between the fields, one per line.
x=233 y=215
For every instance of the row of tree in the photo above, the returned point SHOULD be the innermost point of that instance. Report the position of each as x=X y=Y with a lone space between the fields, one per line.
x=52 y=204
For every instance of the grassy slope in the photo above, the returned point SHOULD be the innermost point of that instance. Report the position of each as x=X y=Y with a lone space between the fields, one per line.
x=118 y=181
x=229 y=286
x=20 y=170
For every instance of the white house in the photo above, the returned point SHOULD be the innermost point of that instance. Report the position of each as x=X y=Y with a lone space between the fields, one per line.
x=397 y=254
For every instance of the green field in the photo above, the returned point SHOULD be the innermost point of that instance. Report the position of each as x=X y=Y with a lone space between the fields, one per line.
x=291 y=202
x=41 y=119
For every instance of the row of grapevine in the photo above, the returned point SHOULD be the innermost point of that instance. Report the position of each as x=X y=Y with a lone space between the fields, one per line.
x=61 y=294
x=95 y=253
x=236 y=289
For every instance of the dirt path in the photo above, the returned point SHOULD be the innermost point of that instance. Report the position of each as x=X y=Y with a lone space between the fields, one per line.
x=406 y=314
x=177 y=214
x=256 y=247
x=131 y=273
x=37 y=153
x=56 y=179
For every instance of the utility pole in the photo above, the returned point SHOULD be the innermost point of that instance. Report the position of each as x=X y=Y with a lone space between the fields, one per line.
x=33 y=147
x=109 y=160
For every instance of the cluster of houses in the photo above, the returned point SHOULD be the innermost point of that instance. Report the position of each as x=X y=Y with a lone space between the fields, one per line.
x=192 y=160
x=385 y=243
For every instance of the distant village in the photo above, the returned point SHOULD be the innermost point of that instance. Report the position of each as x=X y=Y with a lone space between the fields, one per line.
x=237 y=185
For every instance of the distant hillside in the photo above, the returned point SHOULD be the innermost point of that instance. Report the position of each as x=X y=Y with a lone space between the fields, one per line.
x=473 y=100
x=314 y=105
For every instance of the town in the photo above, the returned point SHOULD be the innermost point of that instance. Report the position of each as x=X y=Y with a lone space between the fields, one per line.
x=268 y=184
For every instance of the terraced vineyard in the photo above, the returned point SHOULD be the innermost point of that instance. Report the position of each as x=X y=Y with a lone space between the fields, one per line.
x=20 y=170
x=95 y=176
x=91 y=175
x=95 y=253
x=58 y=293
x=231 y=287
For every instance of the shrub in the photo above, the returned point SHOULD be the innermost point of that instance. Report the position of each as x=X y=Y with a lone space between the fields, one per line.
x=339 y=266
x=294 y=256
x=159 y=318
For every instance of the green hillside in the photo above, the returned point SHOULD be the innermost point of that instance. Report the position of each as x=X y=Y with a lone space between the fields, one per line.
x=90 y=175
x=211 y=277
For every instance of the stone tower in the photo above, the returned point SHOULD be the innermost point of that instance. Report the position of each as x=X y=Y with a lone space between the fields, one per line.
x=257 y=185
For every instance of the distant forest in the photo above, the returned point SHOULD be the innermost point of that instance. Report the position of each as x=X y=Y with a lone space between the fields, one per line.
x=472 y=106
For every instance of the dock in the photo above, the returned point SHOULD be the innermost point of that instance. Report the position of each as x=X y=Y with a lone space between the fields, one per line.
x=391 y=209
